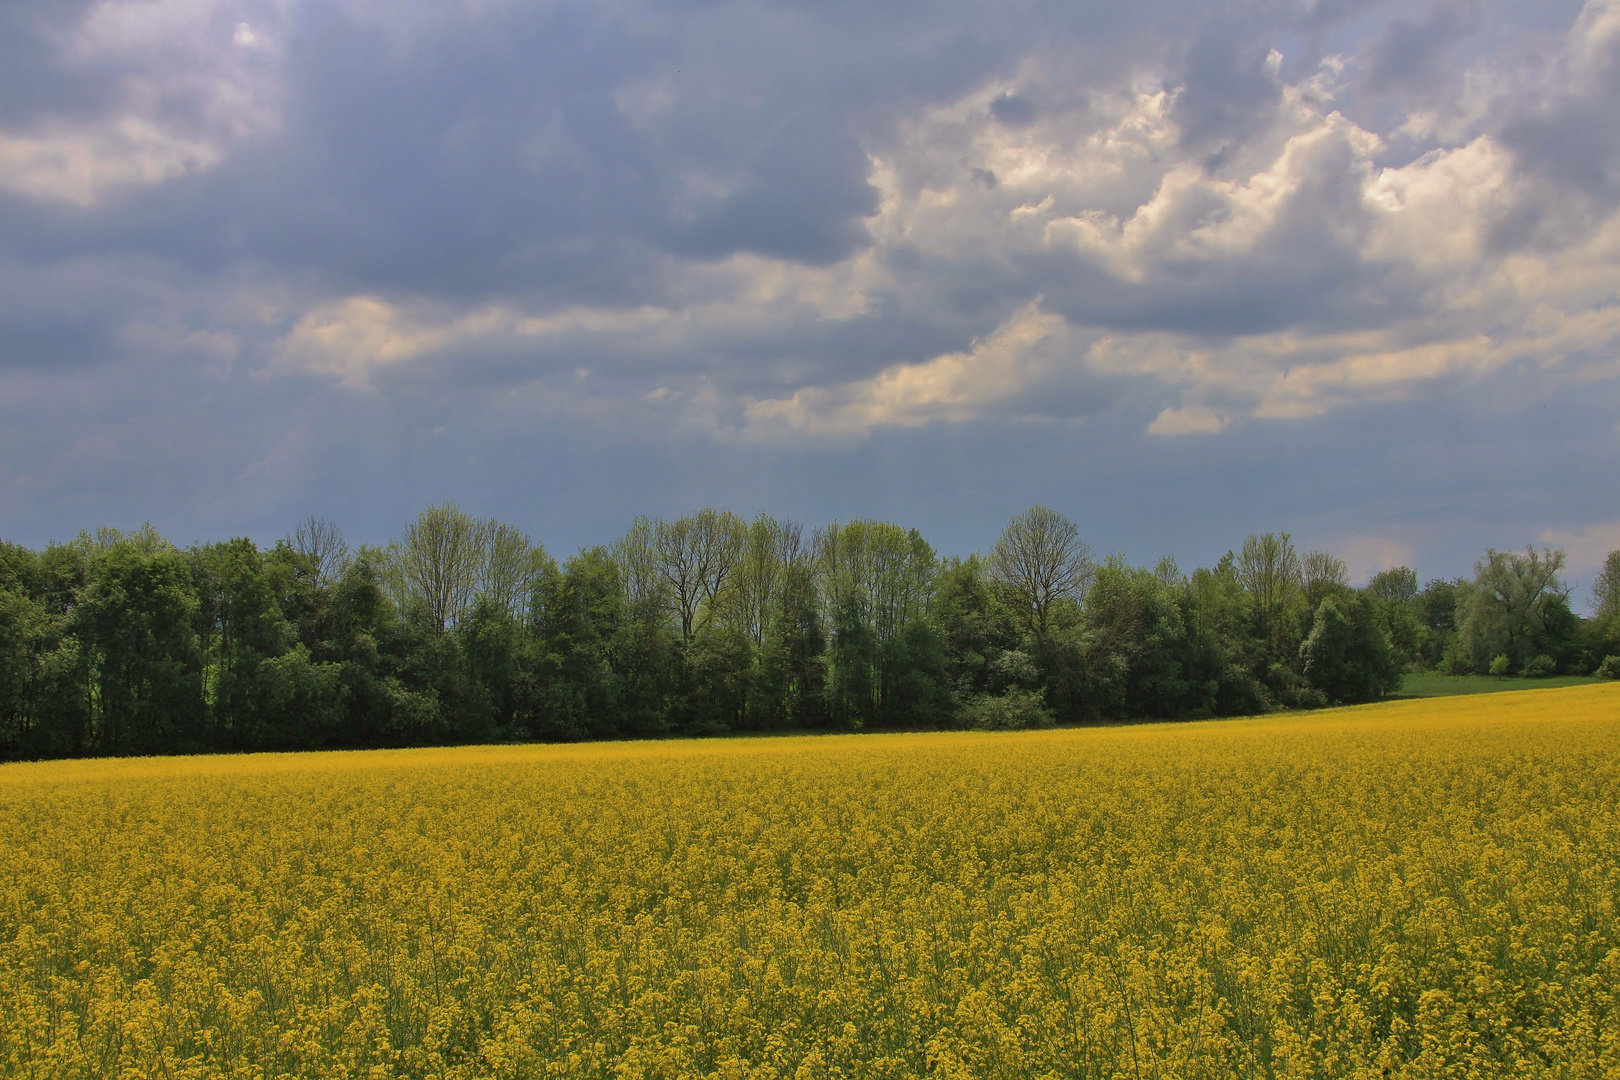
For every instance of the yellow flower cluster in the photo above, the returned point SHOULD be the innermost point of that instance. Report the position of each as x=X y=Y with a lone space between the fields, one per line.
x=1417 y=889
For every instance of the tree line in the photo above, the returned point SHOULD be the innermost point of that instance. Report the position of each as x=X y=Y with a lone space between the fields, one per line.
x=464 y=630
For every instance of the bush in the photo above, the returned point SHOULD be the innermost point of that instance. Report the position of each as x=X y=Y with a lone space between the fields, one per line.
x=1499 y=665
x=1017 y=709
x=1609 y=669
x=1540 y=667
x=1455 y=661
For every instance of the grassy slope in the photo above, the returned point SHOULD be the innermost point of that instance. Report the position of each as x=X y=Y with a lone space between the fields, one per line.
x=1430 y=684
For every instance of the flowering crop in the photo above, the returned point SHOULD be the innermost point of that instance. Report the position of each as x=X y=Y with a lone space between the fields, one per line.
x=1423 y=888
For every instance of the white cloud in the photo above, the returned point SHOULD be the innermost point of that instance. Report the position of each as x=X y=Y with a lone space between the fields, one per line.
x=1189 y=420
x=1194 y=217
x=356 y=336
x=954 y=386
x=1593 y=37
x=1105 y=180
x=1421 y=234
x=352 y=337
x=1139 y=246
x=79 y=165
x=1435 y=213
x=195 y=81
x=1587 y=546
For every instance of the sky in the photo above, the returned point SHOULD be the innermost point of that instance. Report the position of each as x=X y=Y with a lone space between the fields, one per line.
x=1183 y=271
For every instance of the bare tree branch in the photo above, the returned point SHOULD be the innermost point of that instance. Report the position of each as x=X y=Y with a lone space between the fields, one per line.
x=321 y=542
x=1038 y=560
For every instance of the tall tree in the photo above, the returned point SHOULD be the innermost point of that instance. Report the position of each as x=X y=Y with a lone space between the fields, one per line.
x=510 y=562
x=240 y=625
x=889 y=571
x=875 y=579
x=1397 y=585
x=578 y=611
x=1038 y=560
x=1606 y=589
x=439 y=562
x=1436 y=610
x=771 y=547
x=697 y=556
x=976 y=625
x=646 y=591
x=138 y=617
x=1394 y=594
x=1347 y=655
x=792 y=675
x=1517 y=606
x=44 y=699
x=852 y=655
x=646 y=645
x=1269 y=570
x=321 y=543
x=1322 y=575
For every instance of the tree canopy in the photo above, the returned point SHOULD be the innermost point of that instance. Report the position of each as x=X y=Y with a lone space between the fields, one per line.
x=464 y=630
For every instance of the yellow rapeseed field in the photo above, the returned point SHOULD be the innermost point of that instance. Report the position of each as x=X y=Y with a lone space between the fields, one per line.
x=1417 y=889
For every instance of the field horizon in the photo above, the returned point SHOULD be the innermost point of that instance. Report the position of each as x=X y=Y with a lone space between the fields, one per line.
x=1424 y=690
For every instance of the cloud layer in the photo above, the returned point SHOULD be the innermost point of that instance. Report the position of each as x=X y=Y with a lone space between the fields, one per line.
x=580 y=261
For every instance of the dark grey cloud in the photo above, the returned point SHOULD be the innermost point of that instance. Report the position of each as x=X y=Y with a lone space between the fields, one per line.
x=55 y=341
x=1013 y=110
x=543 y=259
x=1228 y=91
x=803 y=198
x=1574 y=139
x=35 y=78
x=496 y=153
x=1407 y=55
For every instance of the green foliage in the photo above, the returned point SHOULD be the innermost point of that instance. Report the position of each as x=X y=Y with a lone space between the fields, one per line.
x=1397 y=585
x=717 y=667
x=852 y=653
x=1039 y=562
x=1435 y=609
x=1606 y=589
x=1268 y=568
x=137 y=621
x=1394 y=593
x=306 y=696
x=917 y=691
x=1347 y=656
x=1540 y=666
x=790 y=690
x=43 y=676
x=579 y=610
x=1322 y=577
x=974 y=623
x=1517 y=606
x=1015 y=710
x=464 y=631
x=491 y=644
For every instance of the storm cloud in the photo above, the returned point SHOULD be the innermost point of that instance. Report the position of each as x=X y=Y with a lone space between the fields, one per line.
x=1181 y=270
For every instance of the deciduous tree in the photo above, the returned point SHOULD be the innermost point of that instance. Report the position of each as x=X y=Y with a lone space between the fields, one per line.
x=321 y=543
x=1606 y=589
x=1269 y=570
x=1038 y=560
x=1517 y=606
x=697 y=556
